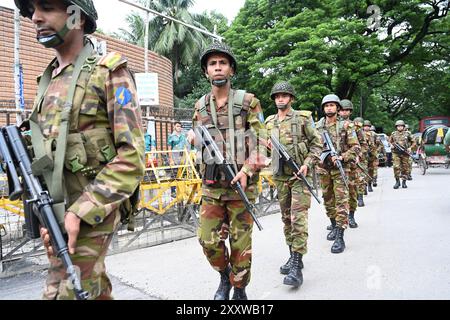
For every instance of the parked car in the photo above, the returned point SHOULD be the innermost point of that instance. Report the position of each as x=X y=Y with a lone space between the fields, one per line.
x=385 y=159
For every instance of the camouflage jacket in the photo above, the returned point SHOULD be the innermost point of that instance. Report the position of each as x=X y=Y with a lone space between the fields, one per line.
x=344 y=139
x=364 y=146
x=105 y=137
x=297 y=132
x=402 y=138
x=253 y=152
x=373 y=142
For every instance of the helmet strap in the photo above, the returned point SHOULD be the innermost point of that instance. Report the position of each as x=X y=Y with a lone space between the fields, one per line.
x=282 y=106
x=219 y=83
x=54 y=40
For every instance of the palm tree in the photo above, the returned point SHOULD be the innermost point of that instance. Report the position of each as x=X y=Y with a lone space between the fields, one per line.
x=175 y=41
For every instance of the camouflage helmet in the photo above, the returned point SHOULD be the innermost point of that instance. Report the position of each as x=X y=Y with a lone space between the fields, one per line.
x=346 y=104
x=359 y=120
x=282 y=87
x=406 y=126
x=218 y=47
x=367 y=123
x=86 y=6
x=400 y=123
x=372 y=128
x=331 y=98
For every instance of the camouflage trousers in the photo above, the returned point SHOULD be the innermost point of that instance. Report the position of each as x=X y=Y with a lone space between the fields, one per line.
x=335 y=196
x=410 y=165
x=401 y=166
x=295 y=200
x=89 y=259
x=221 y=220
x=363 y=180
x=373 y=167
x=353 y=185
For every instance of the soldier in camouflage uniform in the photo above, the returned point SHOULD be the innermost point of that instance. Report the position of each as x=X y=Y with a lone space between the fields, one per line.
x=223 y=214
x=372 y=155
x=380 y=150
x=355 y=172
x=86 y=131
x=401 y=165
x=335 y=194
x=362 y=179
x=296 y=132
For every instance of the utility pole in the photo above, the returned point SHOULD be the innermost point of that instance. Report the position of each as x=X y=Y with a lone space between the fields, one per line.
x=17 y=67
x=148 y=11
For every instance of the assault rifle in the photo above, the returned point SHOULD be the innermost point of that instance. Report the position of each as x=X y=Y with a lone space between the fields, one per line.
x=16 y=162
x=215 y=155
x=331 y=152
x=284 y=155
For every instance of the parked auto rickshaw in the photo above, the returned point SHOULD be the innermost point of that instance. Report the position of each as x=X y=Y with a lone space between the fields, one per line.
x=432 y=152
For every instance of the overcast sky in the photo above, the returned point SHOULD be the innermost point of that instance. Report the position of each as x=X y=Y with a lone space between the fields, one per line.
x=112 y=13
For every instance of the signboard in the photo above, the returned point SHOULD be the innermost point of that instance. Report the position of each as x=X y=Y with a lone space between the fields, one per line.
x=147 y=88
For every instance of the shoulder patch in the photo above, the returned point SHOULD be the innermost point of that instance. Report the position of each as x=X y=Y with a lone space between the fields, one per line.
x=123 y=96
x=113 y=61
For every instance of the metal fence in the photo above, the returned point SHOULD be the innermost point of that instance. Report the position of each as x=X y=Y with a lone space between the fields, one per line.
x=180 y=222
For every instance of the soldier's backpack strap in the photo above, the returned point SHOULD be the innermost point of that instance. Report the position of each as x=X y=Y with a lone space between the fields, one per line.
x=235 y=103
x=296 y=133
x=204 y=103
x=52 y=169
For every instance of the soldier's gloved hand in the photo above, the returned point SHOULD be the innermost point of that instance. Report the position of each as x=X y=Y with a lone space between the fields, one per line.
x=72 y=226
x=303 y=170
x=45 y=236
x=242 y=178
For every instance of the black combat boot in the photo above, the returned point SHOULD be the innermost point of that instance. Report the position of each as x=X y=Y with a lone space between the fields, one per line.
x=370 y=187
x=295 y=276
x=339 y=244
x=397 y=183
x=375 y=183
x=360 y=200
x=351 y=220
x=284 y=269
x=365 y=191
x=409 y=177
x=239 y=294
x=223 y=292
x=333 y=223
x=404 y=186
x=332 y=235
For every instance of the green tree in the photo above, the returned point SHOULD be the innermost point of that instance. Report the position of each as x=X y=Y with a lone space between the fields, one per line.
x=171 y=39
x=326 y=46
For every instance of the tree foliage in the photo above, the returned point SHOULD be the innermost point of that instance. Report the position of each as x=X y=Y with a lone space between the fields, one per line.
x=327 y=46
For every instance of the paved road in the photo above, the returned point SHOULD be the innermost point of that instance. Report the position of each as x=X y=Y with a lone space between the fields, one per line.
x=400 y=251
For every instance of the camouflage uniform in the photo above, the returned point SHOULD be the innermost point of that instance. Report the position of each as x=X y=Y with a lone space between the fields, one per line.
x=374 y=145
x=362 y=179
x=293 y=195
x=356 y=176
x=335 y=194
x=401 y=164
x=223 y=214
x=107 y=103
